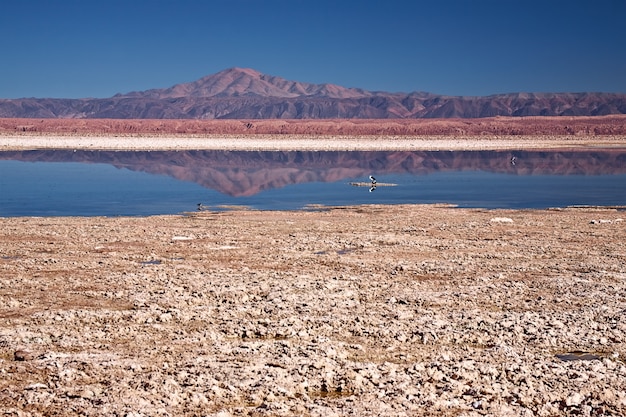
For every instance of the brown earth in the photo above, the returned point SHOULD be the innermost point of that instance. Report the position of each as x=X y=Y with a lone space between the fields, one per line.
x=495 y=126
x=371 y=310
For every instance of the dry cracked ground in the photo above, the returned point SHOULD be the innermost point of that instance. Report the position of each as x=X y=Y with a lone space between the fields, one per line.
x=358 y=311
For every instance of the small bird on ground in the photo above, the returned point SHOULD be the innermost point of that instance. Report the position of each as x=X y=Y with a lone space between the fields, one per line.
x=373 y=180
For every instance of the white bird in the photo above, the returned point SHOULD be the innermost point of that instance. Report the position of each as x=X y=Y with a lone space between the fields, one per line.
x=373 y=180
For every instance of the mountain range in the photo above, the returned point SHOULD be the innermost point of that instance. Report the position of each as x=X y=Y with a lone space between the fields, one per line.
x=242 y=93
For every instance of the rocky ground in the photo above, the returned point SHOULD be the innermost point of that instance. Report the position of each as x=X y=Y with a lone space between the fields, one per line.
x=372 y=310
x=317 y=135
x=610 y=125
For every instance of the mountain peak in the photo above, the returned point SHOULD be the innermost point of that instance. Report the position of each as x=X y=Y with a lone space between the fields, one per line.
x=240 y=71
x=247 y=82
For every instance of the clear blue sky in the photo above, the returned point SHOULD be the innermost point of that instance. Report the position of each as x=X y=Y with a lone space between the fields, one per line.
x=97 y=48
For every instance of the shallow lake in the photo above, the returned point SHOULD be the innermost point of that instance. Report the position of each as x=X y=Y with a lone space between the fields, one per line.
x=112 y=183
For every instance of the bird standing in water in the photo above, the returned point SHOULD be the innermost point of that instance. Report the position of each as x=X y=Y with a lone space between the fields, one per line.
x=373 y=187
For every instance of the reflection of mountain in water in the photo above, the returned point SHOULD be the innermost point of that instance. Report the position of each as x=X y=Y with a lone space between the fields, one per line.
x=241 y=173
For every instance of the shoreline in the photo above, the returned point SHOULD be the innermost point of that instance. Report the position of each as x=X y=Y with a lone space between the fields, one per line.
x=262 y=142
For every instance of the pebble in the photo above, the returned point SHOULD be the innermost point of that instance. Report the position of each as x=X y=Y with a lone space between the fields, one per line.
x=35 y=386
x=23 y=355
x=501 y=220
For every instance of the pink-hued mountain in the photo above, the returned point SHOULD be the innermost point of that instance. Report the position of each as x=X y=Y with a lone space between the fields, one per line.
x=246 y=82
x=241 y=93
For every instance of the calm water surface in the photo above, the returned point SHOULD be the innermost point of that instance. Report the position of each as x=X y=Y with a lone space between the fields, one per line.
x=109 y=183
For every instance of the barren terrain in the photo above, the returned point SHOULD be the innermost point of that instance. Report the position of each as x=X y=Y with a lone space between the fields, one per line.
x=373 y=310
x=364 y=135
x=492 y=126
x=244 y=93
x=362 y=311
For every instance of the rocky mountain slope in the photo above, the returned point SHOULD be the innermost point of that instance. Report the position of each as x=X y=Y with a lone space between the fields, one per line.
x=239 y=93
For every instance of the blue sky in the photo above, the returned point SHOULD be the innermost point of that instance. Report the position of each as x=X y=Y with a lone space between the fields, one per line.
x=97 y=48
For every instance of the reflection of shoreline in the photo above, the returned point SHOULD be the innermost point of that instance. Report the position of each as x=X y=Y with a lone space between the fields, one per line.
x=241 y=173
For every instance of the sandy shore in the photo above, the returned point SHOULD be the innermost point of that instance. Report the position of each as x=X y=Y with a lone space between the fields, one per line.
x=311 y=143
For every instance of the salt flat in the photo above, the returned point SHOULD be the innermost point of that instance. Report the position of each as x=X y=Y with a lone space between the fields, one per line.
x=369 y=310
x=305 y=142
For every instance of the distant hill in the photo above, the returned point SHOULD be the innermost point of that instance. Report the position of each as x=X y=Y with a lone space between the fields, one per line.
x=240 y=93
